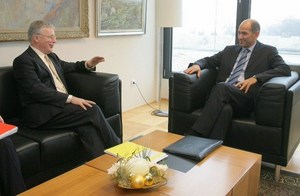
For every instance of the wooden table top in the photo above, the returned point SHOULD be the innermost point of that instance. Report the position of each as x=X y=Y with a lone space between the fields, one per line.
x=224 y=167
x=226 y=171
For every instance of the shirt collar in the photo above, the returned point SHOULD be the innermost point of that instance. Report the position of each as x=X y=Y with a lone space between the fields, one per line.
x=252 y=47
x=38 y=52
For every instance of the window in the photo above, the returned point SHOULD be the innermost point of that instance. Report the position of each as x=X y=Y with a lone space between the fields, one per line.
x=210 y=25
x=280 y=27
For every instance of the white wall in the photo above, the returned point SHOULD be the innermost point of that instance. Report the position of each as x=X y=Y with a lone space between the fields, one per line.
x=131 y=57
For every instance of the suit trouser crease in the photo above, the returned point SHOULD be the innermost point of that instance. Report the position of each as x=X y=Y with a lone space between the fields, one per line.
x=220 y=129
x=91 y=126
x=222 y=94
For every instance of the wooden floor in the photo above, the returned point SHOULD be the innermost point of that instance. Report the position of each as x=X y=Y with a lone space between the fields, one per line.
x=140 y=121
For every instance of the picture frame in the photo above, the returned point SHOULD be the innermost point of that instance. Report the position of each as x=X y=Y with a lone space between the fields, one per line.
x=70 y=18
x=120 y=17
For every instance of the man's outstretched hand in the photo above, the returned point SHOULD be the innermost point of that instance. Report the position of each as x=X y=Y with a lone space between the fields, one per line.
x=94 y=61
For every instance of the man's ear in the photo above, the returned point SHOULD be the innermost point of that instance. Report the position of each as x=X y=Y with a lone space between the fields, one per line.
x=257 y=33
x=35 y=39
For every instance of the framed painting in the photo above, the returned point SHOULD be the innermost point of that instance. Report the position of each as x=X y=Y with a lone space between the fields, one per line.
x=70 y=17
x=120 y=17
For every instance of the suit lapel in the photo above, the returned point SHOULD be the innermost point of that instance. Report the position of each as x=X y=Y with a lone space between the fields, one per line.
x=254 y=55
x=58 y=68
x=41 y=63
x=56 y=65
x=44 y=66
x=38 y=59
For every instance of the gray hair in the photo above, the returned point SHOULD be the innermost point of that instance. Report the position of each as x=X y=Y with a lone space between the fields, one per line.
x=36 y=26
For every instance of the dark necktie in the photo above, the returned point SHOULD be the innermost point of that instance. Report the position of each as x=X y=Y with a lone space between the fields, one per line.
x=239 y=67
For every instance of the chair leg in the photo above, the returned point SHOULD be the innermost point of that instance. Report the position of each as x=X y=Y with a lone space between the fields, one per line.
x=277 y=172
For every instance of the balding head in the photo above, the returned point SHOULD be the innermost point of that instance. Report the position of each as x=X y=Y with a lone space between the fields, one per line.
x=255 y=27
x=248 y=33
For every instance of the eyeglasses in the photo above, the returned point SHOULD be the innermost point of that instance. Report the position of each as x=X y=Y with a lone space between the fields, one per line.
x=47 y=36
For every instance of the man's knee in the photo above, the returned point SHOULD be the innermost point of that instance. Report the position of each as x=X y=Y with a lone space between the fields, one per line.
x=221 y=89
x=223 y=86
x=94 y=110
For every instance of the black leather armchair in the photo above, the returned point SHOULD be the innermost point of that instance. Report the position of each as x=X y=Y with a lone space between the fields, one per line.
x=45 y=154
x=273 y=130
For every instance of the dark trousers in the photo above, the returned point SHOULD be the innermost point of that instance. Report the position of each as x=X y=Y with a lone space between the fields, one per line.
x=92 y=127
x=224 y=101
x=11 y=179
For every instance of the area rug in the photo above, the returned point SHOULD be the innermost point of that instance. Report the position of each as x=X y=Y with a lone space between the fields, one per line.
x=288 y=183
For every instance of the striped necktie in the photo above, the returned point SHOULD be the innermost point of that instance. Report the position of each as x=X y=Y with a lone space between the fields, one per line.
x=239 y=67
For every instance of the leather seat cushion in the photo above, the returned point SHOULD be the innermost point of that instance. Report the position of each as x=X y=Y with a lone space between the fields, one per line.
x=57 y=146
x=247 y=135
x=29 y=152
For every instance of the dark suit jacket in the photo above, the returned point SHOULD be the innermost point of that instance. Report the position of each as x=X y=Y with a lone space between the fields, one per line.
x=38 y=96
x=265 y=63
x=11 y=179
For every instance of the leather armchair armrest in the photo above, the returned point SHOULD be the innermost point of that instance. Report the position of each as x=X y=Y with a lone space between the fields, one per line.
x=271 y=100
x=103 y=88
x=189 y=92
x=291 y=138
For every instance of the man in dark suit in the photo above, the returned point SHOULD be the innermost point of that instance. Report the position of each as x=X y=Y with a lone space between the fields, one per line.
x=44 y=97
x=11 y=179
x=242 y=69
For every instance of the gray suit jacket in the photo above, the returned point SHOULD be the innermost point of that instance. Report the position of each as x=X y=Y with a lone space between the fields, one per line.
x=265 y=63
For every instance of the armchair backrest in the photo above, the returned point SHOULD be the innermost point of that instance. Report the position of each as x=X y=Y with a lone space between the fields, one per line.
x=190 y=92
x=103 y=88
x=9 y=103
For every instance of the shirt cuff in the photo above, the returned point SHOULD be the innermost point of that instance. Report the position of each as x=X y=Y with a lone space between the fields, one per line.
x=69 y=99
x=191 y=64
x=87 y=67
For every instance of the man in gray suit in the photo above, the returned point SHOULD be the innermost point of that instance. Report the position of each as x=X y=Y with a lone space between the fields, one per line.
x=44 y=96
x=242 y=69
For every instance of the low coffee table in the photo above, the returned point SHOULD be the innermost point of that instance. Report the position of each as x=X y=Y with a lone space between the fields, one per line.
x=226 y=171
